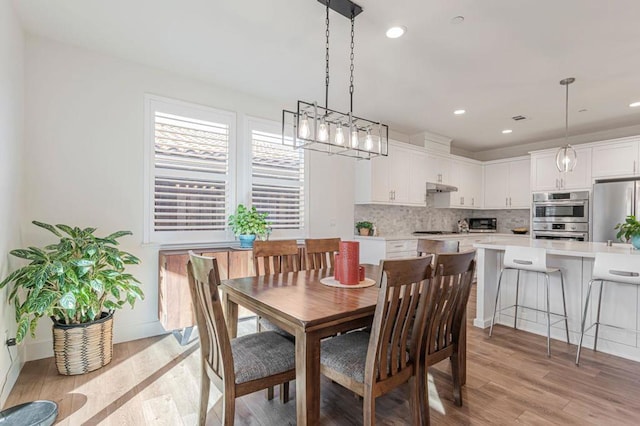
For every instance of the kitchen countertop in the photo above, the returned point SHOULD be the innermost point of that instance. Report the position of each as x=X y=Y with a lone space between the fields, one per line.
x=562 y=248
x=483 y=235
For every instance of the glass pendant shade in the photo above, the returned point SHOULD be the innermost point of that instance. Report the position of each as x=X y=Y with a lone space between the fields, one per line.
x=354 y=137
x=304 y=130
x=339 y=135
x=323 y=131
x=368 y=141
x=566 y=158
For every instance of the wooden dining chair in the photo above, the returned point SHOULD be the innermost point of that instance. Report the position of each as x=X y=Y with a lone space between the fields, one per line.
x=320 y=252
x=269 y=258
x=447 y=298
x=275 y=257
x=236 y=367
x=426 y=246
x=373 y=363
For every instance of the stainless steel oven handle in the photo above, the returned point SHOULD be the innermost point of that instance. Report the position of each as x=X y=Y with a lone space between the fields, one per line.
x=560 y=203
x=560 y=234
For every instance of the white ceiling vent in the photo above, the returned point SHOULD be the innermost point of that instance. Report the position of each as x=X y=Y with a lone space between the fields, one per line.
x=518 y=118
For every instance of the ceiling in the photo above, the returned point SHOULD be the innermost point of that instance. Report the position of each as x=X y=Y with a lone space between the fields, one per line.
x=505 y=59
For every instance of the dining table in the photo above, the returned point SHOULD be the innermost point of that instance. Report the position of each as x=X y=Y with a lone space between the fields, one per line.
x=300 y=304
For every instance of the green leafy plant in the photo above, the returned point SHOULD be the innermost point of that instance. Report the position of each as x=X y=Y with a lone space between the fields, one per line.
x=629 y=228
x=73 y=281
x=249 y=222
x=364 y=224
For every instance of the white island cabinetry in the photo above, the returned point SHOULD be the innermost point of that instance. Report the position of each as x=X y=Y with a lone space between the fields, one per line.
x=620 y=303
x=374 y=249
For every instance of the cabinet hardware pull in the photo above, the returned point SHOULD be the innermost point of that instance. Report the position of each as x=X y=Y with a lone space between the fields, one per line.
x=623 y=273
x=473 y=201
x=634 y=167
x=506 y=201
x=522 y=262
x=462 y=201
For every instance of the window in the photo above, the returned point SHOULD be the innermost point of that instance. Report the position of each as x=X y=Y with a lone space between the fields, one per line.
x=190 y=161
x=277 y=179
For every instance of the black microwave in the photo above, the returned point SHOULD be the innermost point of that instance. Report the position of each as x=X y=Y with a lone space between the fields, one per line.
x=482 y=224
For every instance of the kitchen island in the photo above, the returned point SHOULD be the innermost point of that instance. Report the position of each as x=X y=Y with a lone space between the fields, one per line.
x=620 y=303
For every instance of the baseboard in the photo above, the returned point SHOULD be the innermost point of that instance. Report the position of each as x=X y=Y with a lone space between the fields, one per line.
x=44 y=348
x=480 y=323
x=12 y=377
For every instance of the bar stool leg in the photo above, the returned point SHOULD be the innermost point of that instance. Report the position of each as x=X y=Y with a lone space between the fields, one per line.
x=495 y=307
x=564 y=305
x=515 y=315
x=546 y=276
x=595 y=342
x=584 y=320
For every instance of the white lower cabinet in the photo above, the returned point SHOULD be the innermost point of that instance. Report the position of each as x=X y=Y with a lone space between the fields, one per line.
x=372 y=250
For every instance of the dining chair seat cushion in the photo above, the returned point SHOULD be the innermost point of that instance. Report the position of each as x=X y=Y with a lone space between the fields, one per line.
x=346 y=354
x=260 y=355
x=267 y=325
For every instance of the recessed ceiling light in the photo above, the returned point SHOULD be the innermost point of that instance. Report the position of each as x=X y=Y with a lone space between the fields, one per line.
x=459 y=112
x=634 y=104
x=506 y=131
x=395 y=32
x=457 y=20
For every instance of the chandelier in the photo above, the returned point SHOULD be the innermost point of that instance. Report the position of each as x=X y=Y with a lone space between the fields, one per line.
x=319 y=128
x=566 y=158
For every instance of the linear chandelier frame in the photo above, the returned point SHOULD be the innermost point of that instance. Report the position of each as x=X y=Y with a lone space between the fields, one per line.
x=320 y=128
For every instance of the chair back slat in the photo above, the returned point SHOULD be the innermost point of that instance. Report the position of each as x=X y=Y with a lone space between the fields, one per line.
x=204 y=279
x=447 y=300
x=275 y=257
x=399 y=317
x=320 y=252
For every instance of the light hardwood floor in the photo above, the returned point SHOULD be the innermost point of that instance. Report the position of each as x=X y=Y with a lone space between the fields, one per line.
x=510 y=379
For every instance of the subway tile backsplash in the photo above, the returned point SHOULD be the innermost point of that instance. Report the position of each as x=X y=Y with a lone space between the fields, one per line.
x=403 y=220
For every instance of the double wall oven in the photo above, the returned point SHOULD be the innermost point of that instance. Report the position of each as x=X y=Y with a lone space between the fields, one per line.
x=561 y=216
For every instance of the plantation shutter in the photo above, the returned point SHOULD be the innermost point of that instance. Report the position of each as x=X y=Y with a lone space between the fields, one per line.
x=277 y=172
x=191 y=179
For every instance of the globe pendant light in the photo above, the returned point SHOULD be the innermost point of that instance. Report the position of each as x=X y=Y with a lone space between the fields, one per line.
x=566 y=158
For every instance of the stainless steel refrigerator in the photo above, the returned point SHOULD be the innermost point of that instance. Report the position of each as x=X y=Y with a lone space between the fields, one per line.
x=612 y=203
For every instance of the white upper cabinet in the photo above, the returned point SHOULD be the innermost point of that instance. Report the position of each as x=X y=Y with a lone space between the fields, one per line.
x=616 y=159
x=546 y=177
x=506 y=184
x=438 y=168
x=396 y=179
x=466 y=175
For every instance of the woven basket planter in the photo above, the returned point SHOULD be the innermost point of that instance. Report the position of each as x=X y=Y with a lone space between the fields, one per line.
x=80 y=348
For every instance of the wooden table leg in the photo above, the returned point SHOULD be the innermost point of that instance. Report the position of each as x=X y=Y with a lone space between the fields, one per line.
x=307 y=378
x=231 y=314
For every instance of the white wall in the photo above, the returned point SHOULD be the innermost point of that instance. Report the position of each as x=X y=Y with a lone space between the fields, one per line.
x=11 y=138
x=84 y=148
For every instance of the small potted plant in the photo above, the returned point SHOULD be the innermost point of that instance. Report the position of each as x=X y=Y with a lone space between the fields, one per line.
x=247 y=224
x=78 y=282
x=630 y=230
x=365 y=228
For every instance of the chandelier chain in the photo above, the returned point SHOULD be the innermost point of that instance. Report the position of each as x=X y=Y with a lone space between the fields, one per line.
x=353 y=20
x=566 y=115
x=326 y=70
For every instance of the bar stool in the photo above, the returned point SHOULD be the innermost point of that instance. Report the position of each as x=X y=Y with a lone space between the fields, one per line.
x=530 y=259
x=612 y=268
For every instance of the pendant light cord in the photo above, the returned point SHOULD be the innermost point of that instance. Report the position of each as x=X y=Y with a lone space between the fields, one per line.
x=353 y=20
x=326 y=78
x=566 y=115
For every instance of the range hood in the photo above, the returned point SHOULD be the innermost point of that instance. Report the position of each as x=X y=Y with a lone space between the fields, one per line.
x=433 y=188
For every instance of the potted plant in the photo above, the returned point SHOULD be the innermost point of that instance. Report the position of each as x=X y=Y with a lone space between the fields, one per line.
x=246 y=224
x=78 y=283
x=630 y=230
x=365 y=228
